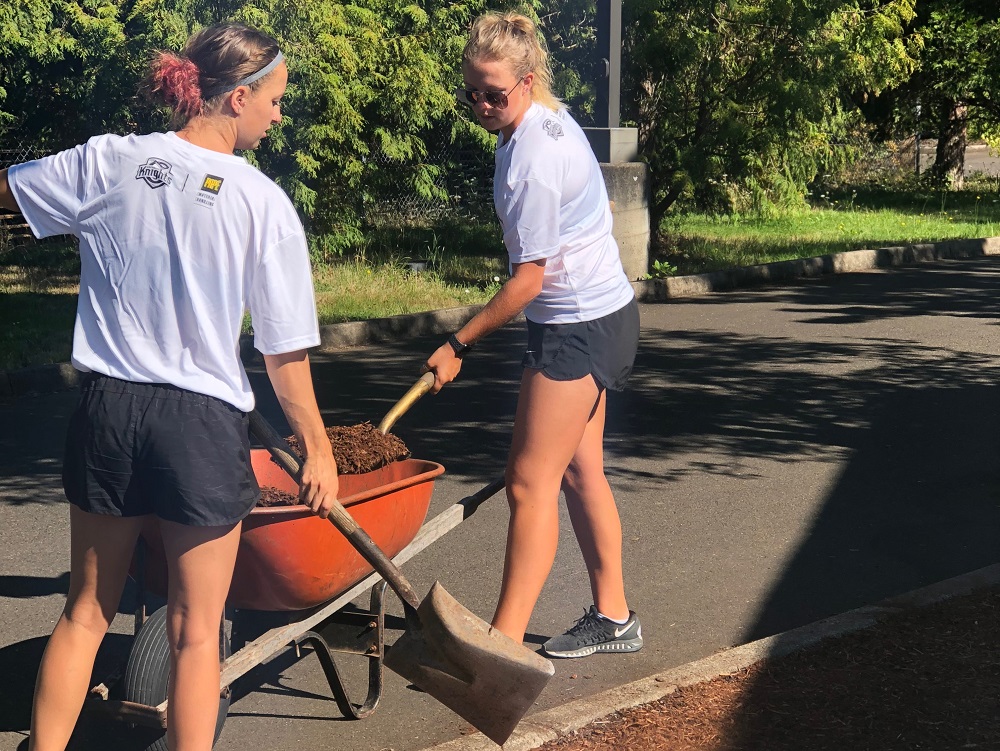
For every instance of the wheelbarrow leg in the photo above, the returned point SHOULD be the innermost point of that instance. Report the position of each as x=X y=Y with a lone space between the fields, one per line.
x=374 y=652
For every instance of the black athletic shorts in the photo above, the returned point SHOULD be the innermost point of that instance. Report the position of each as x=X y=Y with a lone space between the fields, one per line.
x=151 y=448
x=604 y=348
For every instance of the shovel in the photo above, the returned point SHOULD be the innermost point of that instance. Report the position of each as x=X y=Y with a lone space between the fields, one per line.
x=482 y=675
x=424 y=384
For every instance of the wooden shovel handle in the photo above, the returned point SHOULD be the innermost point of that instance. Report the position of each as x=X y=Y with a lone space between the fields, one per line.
x=424 y=384
x=343 y=521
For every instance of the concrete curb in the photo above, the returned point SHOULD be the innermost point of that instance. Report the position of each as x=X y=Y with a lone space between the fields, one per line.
x=655 y=290
x=560 y=721
x=60 y=376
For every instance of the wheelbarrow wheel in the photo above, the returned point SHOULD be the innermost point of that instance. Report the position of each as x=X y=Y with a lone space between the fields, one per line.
x=148 y=670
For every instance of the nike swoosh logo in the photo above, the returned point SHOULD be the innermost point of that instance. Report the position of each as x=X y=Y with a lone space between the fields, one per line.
x=622 y=630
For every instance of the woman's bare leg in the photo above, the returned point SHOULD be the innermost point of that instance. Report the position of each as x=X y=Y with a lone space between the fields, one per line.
x=548 y=427
x=100 y=550
x=595 y=519
x=200 y=561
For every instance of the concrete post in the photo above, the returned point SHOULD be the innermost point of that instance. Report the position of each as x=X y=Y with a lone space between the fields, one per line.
x=628 y=191
x=617 y=148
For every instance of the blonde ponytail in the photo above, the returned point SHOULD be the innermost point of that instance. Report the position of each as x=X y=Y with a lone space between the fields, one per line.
x=513 y=38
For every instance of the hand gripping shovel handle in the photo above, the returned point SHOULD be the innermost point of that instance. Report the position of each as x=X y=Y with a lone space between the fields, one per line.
x=288 y=461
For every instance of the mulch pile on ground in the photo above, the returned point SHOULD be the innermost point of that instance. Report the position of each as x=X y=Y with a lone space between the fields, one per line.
x=923 y=679
x=357 y=449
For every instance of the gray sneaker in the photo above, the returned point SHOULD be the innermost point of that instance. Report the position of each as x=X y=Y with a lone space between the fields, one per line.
x=595 y=634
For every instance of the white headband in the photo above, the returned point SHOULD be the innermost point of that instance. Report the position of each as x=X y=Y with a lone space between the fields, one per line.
x=245 y=81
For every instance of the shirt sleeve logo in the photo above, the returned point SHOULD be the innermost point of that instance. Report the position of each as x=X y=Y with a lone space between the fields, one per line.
x=156 y=172
x=211 y=184
x=554 y=129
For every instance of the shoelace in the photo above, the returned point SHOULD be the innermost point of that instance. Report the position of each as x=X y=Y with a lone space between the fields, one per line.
x=589 y=626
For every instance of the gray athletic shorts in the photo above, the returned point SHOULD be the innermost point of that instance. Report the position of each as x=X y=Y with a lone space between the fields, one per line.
x=151 y=448
x=604 y=348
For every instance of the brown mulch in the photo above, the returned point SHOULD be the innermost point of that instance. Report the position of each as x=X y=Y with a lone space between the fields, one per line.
x=927 y=678
x=273 y=497
x=361 y=448
x=357 y=449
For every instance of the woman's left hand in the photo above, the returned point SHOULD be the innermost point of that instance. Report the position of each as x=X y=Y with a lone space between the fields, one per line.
x=319 y=484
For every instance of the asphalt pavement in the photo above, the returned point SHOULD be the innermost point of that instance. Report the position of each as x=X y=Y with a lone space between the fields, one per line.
x=784 y=454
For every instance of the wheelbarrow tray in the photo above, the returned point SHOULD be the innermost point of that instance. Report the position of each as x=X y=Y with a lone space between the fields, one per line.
x=289 y=559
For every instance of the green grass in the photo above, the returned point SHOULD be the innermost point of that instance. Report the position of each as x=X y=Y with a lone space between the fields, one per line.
x=837 y=221
x=39 y=286
x=357 y=291
x=467 y=264
x=38 y=291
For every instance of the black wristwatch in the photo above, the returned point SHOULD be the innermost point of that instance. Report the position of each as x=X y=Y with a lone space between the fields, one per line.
x=460 y=349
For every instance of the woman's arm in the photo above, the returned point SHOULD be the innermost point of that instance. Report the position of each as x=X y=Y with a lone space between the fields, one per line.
x=523 y=286
x=291 y=378
x=6 y=195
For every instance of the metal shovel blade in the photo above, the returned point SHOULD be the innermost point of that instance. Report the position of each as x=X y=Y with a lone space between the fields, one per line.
x=482 y=675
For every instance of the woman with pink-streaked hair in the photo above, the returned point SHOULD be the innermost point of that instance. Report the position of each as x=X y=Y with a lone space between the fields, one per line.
x=179 y=237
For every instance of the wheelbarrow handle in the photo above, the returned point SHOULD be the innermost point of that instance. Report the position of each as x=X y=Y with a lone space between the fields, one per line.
x=343 y=521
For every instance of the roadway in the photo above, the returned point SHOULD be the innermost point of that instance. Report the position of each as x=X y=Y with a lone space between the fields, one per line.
x=784 y=454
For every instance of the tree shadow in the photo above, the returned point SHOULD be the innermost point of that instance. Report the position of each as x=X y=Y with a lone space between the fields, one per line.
x=465 y=427
x=916 y=500
x=950 y=288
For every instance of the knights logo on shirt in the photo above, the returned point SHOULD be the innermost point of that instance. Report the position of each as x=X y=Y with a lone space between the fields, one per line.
x=156 y=172
x=554 y=129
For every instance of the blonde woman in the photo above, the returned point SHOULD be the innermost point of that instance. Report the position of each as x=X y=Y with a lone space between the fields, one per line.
x=178 y=237
x=583 y=330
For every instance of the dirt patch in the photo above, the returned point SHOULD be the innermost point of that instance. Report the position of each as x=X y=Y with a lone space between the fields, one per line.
x=923 y=679
x=357 y=449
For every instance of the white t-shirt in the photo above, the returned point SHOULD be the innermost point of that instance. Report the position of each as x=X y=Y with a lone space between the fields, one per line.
x=176 y=242
x=550 y=196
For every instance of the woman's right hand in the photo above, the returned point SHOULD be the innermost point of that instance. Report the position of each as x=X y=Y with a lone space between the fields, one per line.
x=445 y=365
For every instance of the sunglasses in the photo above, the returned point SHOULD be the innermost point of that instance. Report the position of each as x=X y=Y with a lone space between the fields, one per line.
x=496 y=99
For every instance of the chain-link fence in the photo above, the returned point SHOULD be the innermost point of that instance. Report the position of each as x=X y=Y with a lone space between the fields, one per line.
x=14 y=231
x=462 y=188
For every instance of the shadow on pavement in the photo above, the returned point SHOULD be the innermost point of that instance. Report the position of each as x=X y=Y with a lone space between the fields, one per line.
x=33 y=586
x=19 y=663
x=917 y=500
x=466 y=427
x=912 y=426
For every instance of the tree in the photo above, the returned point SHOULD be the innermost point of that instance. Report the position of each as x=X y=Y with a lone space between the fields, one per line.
x=371 y=85
x=740 y=103
x=570 y=29
x=957 y=81
x=70 y=69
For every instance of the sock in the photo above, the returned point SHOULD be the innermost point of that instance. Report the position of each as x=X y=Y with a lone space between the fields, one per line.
x=613 y=620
